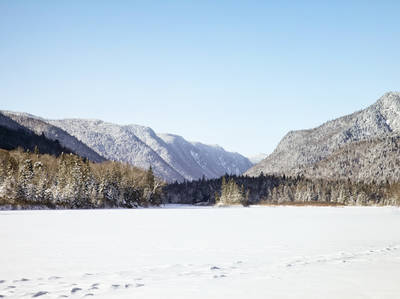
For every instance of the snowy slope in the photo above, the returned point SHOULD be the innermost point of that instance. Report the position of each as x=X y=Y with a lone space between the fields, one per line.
x=166 y=152
x=171 y=156
x=118 y=143
x=39 y=126
x=219 y=161
x=200 y=159
x=284 y=252
x=299 y=149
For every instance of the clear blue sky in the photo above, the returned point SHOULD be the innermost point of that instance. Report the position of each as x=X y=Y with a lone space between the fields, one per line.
x=237 y=73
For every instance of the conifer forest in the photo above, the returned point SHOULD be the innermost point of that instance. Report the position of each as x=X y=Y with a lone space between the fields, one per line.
x=34 y=180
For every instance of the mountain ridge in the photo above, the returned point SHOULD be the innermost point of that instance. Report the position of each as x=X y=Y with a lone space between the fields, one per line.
x=13 y=136
x=38 y=126
x=301 y=149
x=171 y=156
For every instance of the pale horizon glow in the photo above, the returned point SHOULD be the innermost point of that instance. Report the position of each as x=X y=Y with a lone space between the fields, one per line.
x=237 y=74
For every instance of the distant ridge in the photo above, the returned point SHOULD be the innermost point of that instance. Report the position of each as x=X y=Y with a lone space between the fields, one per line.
x=171 y=156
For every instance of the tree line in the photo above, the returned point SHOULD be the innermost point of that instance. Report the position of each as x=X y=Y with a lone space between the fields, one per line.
x=29 y=179
x=271 y=189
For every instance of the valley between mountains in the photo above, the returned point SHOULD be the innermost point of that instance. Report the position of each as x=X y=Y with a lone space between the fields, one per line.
x=353 y=160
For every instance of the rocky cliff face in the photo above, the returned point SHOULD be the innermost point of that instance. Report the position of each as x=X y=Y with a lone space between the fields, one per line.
x=171 y=156
x=300 y=150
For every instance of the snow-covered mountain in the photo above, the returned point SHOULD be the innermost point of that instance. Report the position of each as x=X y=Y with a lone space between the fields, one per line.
x=7 y=122
x=17 y=120
x=300 y=150
x=198 y=159
x=117 y=143
x=172 y=157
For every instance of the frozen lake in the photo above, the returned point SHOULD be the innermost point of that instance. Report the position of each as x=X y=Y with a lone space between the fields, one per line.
x=257 y=252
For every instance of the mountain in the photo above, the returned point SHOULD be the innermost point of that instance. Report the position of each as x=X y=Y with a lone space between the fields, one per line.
x=118 y=143
x=7 y=122
x=171 y=156
x=13 y=135
x=311 y=151
x=199 y=159
x=374 y=160
x=38 y=126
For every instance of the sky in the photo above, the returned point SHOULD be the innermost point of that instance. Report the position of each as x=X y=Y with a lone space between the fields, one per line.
x=240 y=74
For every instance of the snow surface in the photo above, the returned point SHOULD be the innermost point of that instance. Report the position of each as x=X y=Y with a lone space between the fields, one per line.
x=257 y=252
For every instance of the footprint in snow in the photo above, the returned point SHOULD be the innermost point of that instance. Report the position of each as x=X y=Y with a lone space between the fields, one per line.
x=40 y=293
x=74 y=290
x=139 y=285
x=94 y=286
x=215 y=268
x=21 y=280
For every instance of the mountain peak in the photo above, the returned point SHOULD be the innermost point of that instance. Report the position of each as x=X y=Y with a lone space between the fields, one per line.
x=392 y=94
x=390 y=99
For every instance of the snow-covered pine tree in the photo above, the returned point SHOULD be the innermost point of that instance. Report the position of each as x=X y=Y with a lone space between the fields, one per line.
x=231 y=194
x=25 y=186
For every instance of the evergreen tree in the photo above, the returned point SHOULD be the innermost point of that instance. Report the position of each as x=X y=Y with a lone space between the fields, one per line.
x=231 y=193
x=25 y=187
x=150 y=178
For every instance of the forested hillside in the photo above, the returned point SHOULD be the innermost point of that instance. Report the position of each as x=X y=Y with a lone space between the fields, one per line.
x=272 y=189
x=374 y=160
x=29 y=141
x=362 y=146
x=33 y=180
x=38 y=126
x=29 y=180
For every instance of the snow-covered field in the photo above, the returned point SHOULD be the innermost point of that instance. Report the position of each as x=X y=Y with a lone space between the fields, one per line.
x=257 y=252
